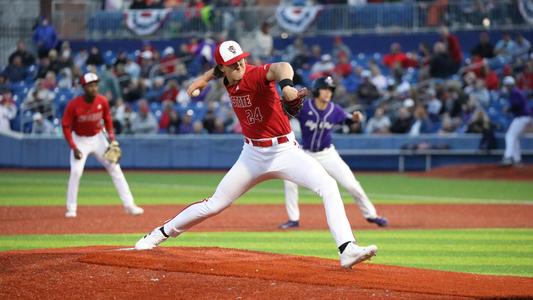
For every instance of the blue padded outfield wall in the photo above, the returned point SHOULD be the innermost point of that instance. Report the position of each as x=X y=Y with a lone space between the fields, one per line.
x=221 y=151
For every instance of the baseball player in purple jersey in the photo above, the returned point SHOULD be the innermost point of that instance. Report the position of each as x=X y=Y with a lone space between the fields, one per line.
x=317 y=118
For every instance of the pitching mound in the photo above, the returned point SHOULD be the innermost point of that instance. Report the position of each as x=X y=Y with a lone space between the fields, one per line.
x=214 y=273
x=483 y=171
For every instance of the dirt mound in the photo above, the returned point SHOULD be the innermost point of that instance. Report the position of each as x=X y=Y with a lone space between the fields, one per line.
x=484 y=171
x=203 y=273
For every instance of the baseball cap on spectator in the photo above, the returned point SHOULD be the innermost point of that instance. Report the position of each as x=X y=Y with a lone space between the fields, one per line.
x=325 y=57
x=508 y=80
x=168 y=51
x=408 y=103
x=37 y=116
x=147 y=54
x=88 y=78
x=228 y=53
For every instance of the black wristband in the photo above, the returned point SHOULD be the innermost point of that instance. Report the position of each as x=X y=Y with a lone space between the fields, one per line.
x=285 y=82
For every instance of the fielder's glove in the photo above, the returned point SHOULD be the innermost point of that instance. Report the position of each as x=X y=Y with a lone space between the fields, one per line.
x=113 y=153
x=292 y=108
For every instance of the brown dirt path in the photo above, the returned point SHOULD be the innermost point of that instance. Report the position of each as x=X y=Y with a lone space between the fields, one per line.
x=111 y=219
x=481 y=171
x=214 y=273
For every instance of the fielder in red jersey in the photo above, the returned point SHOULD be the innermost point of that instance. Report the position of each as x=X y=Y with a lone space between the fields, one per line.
x=269 y=151
x=82 y=128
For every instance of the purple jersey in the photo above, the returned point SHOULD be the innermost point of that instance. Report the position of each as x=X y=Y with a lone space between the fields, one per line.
x=317 y=124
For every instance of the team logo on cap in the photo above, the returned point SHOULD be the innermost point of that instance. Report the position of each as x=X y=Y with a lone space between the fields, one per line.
x=232 y=49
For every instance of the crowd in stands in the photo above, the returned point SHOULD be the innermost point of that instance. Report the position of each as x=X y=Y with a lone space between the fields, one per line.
x=433 y=89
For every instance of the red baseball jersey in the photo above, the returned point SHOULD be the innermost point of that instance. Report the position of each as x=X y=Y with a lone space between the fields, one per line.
x=256 y=103
x=85 y=119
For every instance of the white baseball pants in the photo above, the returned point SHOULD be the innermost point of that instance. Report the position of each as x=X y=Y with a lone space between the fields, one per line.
x=332 y=162
x=96 y=145
x=512 y=138
x=256 y=164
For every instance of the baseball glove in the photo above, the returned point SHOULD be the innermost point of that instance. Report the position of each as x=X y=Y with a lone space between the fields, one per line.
x=292 y=108
x=113 y=153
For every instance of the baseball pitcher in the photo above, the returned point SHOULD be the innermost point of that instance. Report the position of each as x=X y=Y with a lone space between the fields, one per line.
x=82 y=127
x=269 y=150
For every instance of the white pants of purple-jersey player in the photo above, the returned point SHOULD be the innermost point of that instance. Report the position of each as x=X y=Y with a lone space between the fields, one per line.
x=330 y=159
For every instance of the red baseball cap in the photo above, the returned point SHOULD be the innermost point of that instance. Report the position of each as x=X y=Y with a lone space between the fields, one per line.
x=228 y=53
x=88 y=78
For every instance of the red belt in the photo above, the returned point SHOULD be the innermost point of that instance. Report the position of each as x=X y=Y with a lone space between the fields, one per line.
x=266 y=143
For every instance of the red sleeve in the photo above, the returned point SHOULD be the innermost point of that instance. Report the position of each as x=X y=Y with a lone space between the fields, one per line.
x=108 y=122
x=66 y=122
x=455 y=48
x=262 y=72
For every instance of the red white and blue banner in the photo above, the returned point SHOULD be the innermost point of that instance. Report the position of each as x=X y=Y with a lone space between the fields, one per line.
x=296 y=19
x=526 y=9
x=145 y=21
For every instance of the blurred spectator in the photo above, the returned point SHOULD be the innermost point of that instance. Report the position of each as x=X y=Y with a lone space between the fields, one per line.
x=296 y=53
x=367 y=91
x=80 y=59
x=434 y=106
x=168 y=62
x=147 y=62
x=144 y=122
x=134 y=91
x=169 y=121
x=403 y=121
x=525 y=81
x=484 y=48
x=109 y=85
x=323 y=67
x=186 y=125
x=171 y=91
x=95 y=57
x=447 y=127
x=66 y=79
x=478 y=92
x=16 y=71
x=492 y=82
x=397 y=58
x=209 y=121
x=422 y=124
x=122 y=58
x=43 y=67
x=25 y=55
x=441 y=64
x=344 y=67
x=8 y=111
x=198 y=128
x=379 y=123
x=44 y=37
x=505 y=48
x=378 y=79
x=480 y=123
x=264 y=43
x=519 y=107
x=121 y=115
x=41 y=125
x=65 y=61
x=40 y=99
x=523 y=47
x=55 y=65
x=132 y=69
x=453 y=48
x=49 y=81
x=340 y=49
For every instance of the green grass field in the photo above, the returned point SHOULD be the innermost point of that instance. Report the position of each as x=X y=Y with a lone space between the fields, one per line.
x=486 y=251
x=48 y=188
